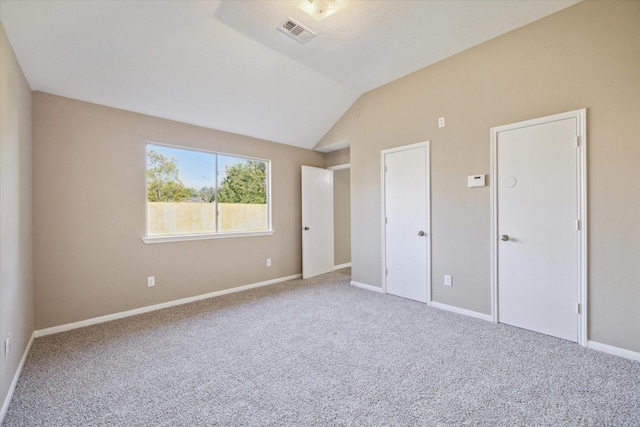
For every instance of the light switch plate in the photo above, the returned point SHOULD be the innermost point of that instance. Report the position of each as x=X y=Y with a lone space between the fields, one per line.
x=476 y=181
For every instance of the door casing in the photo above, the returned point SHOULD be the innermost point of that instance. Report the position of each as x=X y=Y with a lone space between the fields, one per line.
x=581 y=163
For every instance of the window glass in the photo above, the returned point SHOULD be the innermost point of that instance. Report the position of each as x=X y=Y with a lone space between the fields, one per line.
x=199 y=192
x=242 y=194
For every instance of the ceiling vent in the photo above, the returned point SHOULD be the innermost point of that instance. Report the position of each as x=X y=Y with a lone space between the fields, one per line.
x=296 y=31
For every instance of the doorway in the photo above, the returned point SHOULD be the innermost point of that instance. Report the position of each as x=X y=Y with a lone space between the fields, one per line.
x=539 y=225
x=405 y=221
x=341 y=216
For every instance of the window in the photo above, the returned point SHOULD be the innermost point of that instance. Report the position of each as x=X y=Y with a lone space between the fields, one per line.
x=199 y=194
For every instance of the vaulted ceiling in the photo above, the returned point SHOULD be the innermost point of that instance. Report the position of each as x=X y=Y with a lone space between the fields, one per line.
x=222 y=64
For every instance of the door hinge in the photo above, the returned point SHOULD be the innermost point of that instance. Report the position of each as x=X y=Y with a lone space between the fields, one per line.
x=386 y=272
x=578 y=224
x=577 y=141
x=385 y=169
x=386 y=220
x=578 y=308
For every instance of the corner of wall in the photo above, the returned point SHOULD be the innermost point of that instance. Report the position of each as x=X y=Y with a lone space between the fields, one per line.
x=16 y=224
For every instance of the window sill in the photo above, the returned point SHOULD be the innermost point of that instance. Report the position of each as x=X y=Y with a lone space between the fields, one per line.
x=186 y=237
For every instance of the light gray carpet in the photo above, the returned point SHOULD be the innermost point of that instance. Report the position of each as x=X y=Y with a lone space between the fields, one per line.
x=318 y=352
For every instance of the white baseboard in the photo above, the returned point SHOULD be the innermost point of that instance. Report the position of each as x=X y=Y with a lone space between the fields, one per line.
x=12 y=387
x=616 y=351
x=367 y=287
x=464 y=311
x=338 y=267
x=128 y=313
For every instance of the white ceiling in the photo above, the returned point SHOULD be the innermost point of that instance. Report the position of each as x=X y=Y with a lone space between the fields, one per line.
x=222 y=64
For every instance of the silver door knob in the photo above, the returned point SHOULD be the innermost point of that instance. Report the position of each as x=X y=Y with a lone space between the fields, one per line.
x=504 y=237
x=306 y=228
x=420 y=233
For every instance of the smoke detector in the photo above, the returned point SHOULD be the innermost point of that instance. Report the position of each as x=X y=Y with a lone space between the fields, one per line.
x=296 y=31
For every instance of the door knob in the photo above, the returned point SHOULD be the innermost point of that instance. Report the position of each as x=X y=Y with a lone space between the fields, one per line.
x=504 y=237
x=420 y=233
x=306 y=228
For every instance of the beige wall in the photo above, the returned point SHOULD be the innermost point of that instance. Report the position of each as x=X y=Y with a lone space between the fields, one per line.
x=16 y=260
x=341 y=217
x=91 y=261
x=338 y=157
x=585 y=56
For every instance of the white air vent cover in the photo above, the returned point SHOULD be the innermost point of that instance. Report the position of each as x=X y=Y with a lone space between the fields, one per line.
x=297 y=31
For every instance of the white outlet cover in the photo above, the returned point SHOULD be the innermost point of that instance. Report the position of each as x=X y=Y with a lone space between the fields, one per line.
x=447 y=280
x=441 y=122
x=151 y=281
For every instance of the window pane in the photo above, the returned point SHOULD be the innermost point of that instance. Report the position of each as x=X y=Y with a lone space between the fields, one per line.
x=242 y=194
x=180 y=190
x=185 y=195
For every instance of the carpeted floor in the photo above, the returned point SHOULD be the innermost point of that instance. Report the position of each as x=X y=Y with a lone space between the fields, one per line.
x=318 y=352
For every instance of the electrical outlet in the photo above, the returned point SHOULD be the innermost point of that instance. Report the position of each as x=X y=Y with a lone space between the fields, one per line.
x=441 y=122
x=447 y=280
x=7 y=346
x=268 y=262
x=151 y=281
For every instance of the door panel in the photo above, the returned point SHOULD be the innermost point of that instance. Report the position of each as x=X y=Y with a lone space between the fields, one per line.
x=537 y=208
x=405 y=201
x=317 y=221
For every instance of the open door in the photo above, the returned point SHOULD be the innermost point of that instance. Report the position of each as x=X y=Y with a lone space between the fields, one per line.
x=317 y=221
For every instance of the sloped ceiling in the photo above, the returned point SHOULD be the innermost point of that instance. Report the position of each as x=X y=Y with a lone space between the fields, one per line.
x=222 y=64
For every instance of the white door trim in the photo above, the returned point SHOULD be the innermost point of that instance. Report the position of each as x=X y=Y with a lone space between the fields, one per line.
x=340 y=167
x=428 y=210
x=581 y=157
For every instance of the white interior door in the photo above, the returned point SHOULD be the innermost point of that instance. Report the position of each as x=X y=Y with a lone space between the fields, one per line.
x=406 y=232
x=317 y=221
x=537 y=226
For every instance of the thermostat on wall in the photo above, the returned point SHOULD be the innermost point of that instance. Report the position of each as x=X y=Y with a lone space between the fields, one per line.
x=475 y=181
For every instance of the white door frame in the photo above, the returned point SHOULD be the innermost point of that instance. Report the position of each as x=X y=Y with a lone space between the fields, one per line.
x=581 y=162
x=340 y=167
x=428 y=211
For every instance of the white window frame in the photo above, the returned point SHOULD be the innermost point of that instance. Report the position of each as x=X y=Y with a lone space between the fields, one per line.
x=205 y=236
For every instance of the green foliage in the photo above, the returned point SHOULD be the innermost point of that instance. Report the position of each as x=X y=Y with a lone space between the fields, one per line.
x=208 y=194
x=163 y=182
x=244 y=183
